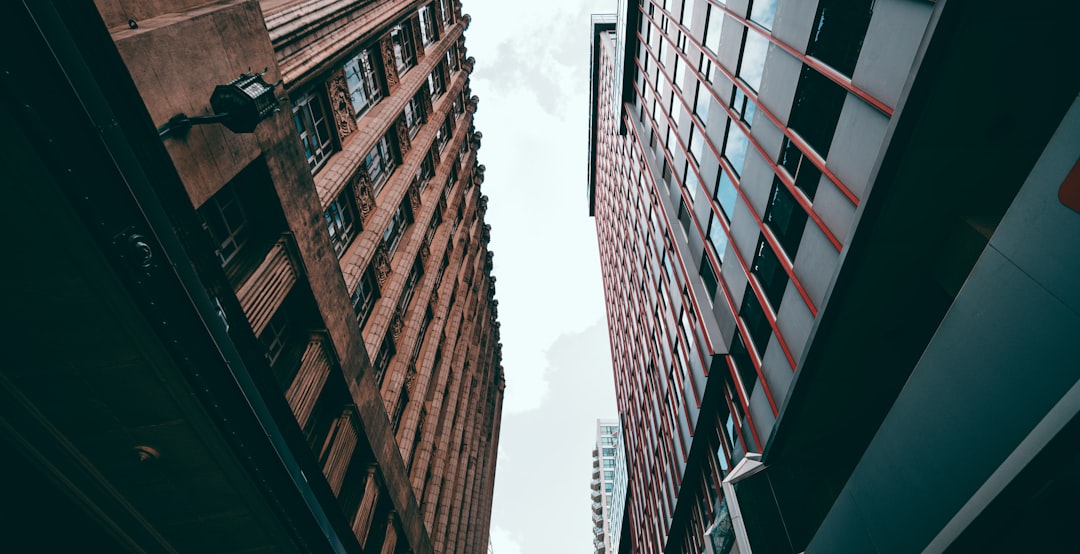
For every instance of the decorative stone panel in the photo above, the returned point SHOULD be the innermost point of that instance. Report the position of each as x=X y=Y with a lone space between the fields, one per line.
x=337 y=90
x=386 y=46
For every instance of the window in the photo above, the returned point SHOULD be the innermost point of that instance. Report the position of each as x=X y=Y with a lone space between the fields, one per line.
x=763 y=12
x=410 y=285
x=445 y=7
x=609 y=474
x=379 y=163
x=708 y=276
x=382 y=359
x=735 y=147
x=805 y=174
x=744 y=365
x=315 y=129
x=607 y=441
x=702 y=103
x=770 y=273
x=717 y=238
x=404 y=49
x=363 y=81
x=609 y=463
x=816 y=109
x=437 y=82
x=429 y=31
x=341 y=221
x=227 y=222
x=743 y=106
x=697 y=143
x=392 y=236
x=837 y=35
x=452 y=58
x=786 y=218
x=414 y=116
x=364 y=297
x=609 y=451
x=274 y=336
x=754 y=316
x=752 y=59
x=425 y=172
x=713 y=27
x=442 y=136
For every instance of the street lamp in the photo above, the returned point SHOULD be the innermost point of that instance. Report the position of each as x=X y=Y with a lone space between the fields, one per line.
x=239 y=105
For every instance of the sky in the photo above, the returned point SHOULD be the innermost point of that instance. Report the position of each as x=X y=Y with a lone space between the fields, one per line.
x=532 y=78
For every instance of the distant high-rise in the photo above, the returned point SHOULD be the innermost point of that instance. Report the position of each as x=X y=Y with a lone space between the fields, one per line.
x=608 y=486
x=271 y=333
x=839 y=261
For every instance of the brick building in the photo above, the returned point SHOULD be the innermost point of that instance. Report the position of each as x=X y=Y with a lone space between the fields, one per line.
x=278 y=340
x=829 y=252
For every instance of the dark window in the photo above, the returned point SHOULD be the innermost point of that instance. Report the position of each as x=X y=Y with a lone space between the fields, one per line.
x=429 y=31
x=399 y=409
x=275 y=336
x=838 y=32
x=364 y=297
x=437 y=82
x=452 y=58
x=816 y=109
x=770 y=273
x=442 y=136
x=410 y=285
x=743 y=364
x=786 y=218
x=414 y=116
x=404 y=47
x=708 y=276
x=341 y=221
x=753 y=315
x=316 y=133
x=382 y=359
x=446 y=8
x=803 y=171
x=402 y=218
x=684 y=217
x=425 y=172
x=363 y=80
x=380 y=163
x=228 y=223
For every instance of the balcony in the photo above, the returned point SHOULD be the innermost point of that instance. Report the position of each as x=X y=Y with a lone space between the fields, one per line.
x=268 y=285
x=597 y=507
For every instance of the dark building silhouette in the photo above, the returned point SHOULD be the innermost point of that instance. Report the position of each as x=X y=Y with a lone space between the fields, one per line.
x=272 y=333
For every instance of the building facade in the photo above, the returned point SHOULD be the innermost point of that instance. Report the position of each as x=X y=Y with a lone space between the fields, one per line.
x=608 y=486
x=331 y=261
x=783 y=256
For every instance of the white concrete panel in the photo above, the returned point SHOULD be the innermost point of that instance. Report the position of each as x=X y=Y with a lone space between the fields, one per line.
x=815 y=262
x=778 y=83
x=835 y=209
x=794 y=21
x=895 y=31
x=756 y=181
x=794 y=321
x=859 y=133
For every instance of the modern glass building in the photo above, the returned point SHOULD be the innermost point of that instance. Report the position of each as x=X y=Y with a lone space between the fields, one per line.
x=805 y=211
x=608 y=485
x=273 y=331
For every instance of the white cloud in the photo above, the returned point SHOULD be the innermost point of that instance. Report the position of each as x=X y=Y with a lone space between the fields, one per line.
x=503 y=542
